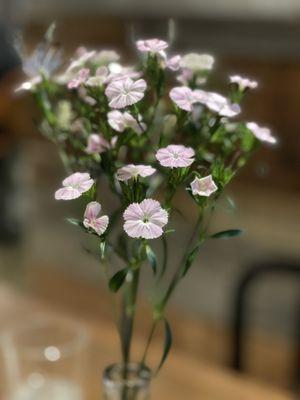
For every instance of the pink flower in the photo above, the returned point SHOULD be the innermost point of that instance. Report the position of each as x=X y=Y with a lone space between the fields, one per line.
x=96 y=144
x=79 y=79
x=125 y=92
x=151 y=45
x=203 y=186
x=133 y=171
x=173 y=63
x=120 y=121
x=145 y=219
x=175 y=156
x=183 y=97
x=118 y=71
x=82 y=94
x=82 y=56
x=100 y=78
x=74 y=185
x=185 y=76
x=261 y=133
x=217 y=103
x=243 y=83
x=91 y=219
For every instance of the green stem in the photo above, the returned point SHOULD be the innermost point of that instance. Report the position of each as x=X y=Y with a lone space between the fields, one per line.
x=128 y=313
x=177 y=276
x=127 y=322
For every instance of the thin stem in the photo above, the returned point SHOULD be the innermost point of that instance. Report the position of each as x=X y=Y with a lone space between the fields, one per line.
x=127 y=322
x=177 y=276
x=128 y=313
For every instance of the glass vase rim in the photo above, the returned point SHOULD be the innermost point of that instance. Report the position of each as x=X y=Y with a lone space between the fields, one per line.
x=143 y=378
x=39 y=320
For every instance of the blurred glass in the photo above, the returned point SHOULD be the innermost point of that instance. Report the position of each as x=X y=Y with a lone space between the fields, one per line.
x=44 y=359
x=126 y=383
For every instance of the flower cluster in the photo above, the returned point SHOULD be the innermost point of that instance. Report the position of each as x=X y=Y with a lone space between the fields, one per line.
x=145 y=132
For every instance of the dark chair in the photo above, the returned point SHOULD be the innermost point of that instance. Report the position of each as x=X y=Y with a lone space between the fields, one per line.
x=241 y=297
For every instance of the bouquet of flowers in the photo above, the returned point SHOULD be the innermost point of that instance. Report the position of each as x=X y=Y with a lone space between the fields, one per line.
x=148 y=130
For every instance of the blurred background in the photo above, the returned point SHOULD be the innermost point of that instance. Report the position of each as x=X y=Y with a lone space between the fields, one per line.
x=239 y=308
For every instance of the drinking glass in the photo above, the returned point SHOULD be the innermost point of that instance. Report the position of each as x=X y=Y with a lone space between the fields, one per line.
x=44 y=359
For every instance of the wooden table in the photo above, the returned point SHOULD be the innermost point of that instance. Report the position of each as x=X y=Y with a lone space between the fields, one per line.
x=182 y=378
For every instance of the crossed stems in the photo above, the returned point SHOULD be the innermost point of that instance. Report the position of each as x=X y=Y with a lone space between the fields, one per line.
x=132 y=282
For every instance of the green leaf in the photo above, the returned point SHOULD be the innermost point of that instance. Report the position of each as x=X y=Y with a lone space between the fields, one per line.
x=102 y=249
x=74 y=221
x=168 y=231
x=227 y=234
x=189 y=261
x=117 y=280
x=167 y=344
x=165 y=256
x=49 y=35
x=151 y=258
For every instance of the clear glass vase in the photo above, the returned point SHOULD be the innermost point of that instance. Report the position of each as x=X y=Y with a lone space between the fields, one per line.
x=130 y=382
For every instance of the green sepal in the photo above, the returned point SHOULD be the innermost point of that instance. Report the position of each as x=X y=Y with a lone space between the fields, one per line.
x=151 y=258
x=76 y=222
x=102 y=249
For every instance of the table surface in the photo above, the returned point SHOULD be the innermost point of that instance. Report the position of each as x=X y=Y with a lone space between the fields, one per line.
x=181 y=378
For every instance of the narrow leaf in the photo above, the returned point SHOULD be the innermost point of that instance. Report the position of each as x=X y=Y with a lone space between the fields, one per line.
x=74 y=221
x=117 y=280
x=151 y=258
x=164 y=256
x=189 y=260
x=227 y=234
x=102 y=249
x=167 y=344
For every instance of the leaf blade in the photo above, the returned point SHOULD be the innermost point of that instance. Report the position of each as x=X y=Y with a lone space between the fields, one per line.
x=167 y=344
x=227 y=234
x=117 y=280
x=189 y=261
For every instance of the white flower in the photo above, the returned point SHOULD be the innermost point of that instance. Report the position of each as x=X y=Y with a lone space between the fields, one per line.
x=133 y=171
x=105 y=57
x=243 y=83
x=74 y=185
x=261 y=133
x=120 y=121
x=197 y=62
x=203 y=186
x=125 y=92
